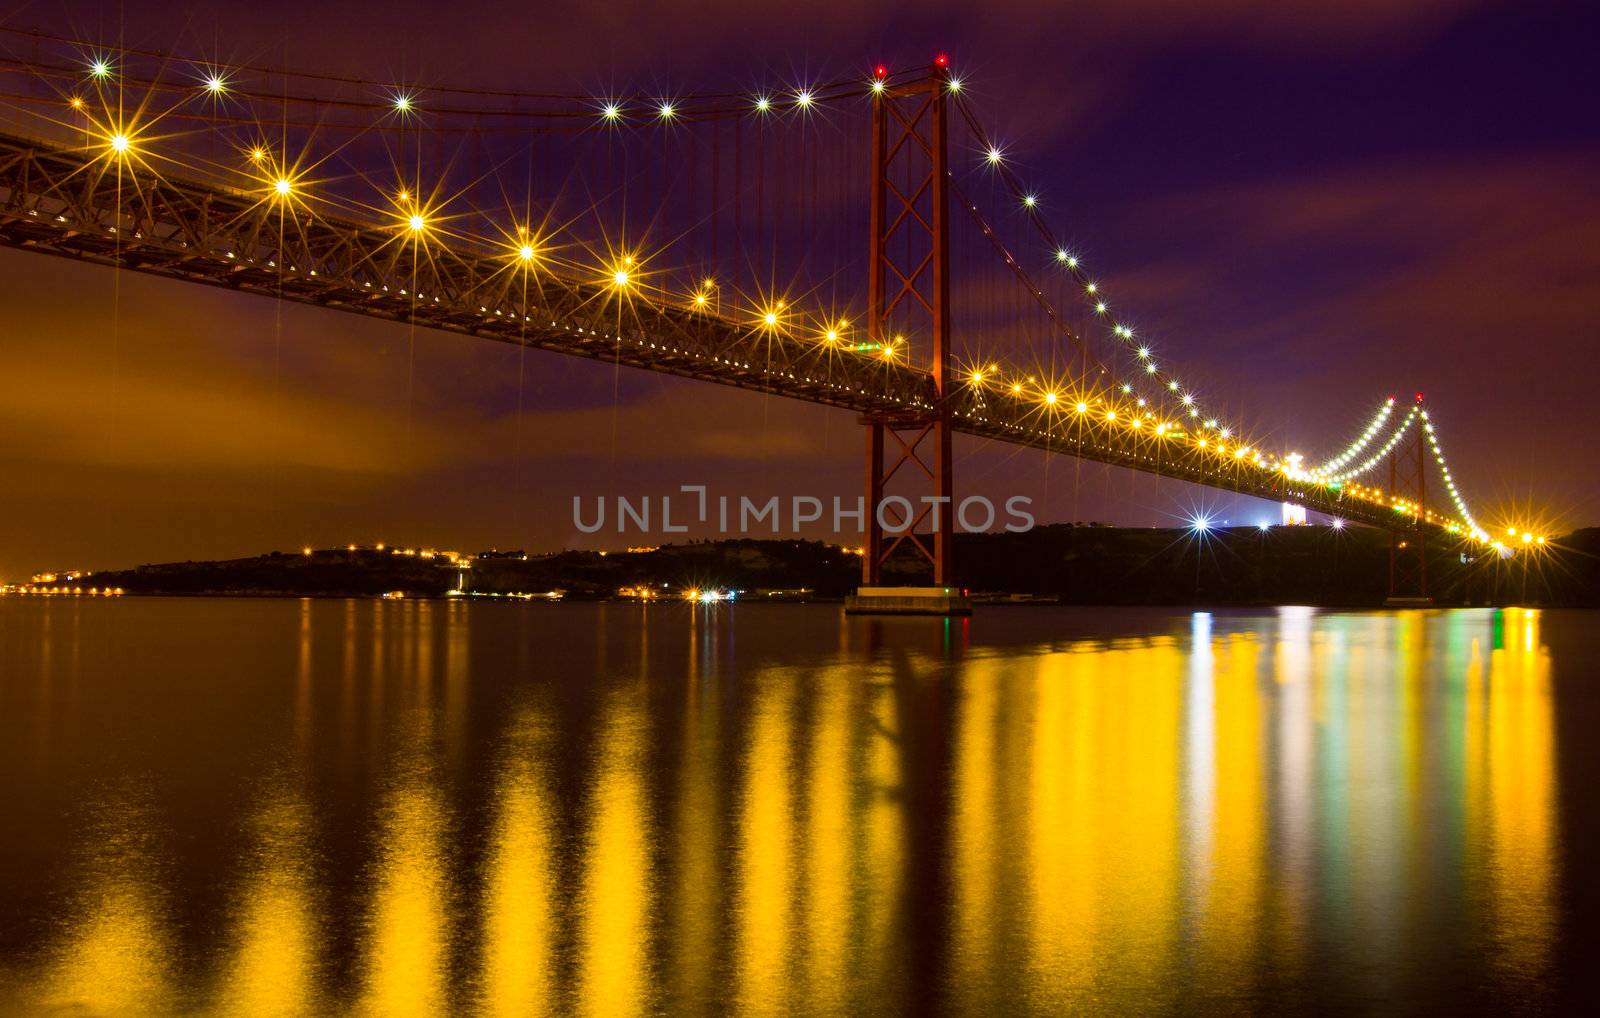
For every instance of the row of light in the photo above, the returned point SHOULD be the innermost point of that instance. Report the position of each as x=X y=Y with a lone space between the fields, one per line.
x=216 y=84
x=1470 y=523
x=1095 y=297
x=1333 y=470
x=1338 y=462
x=1201 y=523
x=994 y=156
x=1450 y=482
x=622 y=275
x=1135 y=419
x=1373 y=460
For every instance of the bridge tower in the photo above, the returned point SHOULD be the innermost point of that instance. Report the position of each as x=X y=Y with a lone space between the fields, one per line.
x=908 y=297
x=1408 y=539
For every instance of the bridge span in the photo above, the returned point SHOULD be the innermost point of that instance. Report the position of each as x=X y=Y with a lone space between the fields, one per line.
x=63 y=200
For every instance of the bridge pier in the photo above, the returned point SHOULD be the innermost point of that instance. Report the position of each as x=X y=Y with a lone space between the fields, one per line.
x=909 y=137
x=907 y=601
x=1408 y=546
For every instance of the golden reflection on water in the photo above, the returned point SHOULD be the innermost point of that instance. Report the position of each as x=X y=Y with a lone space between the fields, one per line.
x=878 y=896
x=407 y=927
x=1515 y=796
x=697 y=838
x=1229 y=895
x=518 y=905
x=766 y=852
x=827 y=857
x=616 y=899
x=116 y=957
x=1153 y=823
x=1102 y=818
x=271 y=970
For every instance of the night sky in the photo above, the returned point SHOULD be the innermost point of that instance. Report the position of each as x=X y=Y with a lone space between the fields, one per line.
x=1320 y=204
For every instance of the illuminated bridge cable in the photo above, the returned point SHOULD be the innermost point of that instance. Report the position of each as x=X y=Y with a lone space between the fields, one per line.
x=1022 y=275
x=1093 y=294
x=1450 y=483
x=1340 y=461
x=632 y=107
x=1137 y=408
x=1377 y=457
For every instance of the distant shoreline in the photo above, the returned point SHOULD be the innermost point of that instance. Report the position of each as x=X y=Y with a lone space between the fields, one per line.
x=1052 y=565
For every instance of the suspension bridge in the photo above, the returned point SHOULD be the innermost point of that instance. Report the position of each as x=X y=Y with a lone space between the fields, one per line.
x=862 y=243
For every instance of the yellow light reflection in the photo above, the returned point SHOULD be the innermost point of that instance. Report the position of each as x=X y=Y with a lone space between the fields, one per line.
x=698 y=891
x=1103 y=827
x=1230 y=897
x=827 y=853
x=117 y=958
x=615 y=902
x=407 y=937
x=518 y=921
x=975 y=924
x=272 y=970
x=1519 y=800
x=882 y=894
x=765 y=889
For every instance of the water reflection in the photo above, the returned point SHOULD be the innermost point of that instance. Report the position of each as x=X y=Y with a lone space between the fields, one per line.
x=271 y=970
x=518 y=901
x=116 y=955
x=616 y=900
x=685 y=814
x=766 y=850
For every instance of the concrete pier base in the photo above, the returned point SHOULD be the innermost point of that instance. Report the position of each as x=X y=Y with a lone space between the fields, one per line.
x=907 y=601
x=1408 y=602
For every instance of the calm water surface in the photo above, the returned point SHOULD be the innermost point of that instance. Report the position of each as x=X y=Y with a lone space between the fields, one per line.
x=306 y=807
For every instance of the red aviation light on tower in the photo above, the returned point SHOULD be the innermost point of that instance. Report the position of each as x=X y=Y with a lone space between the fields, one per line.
x=880 y=71
x=1419 y=397
x=941 y=61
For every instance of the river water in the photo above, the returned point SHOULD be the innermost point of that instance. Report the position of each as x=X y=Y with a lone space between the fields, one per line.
x=413 y=807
